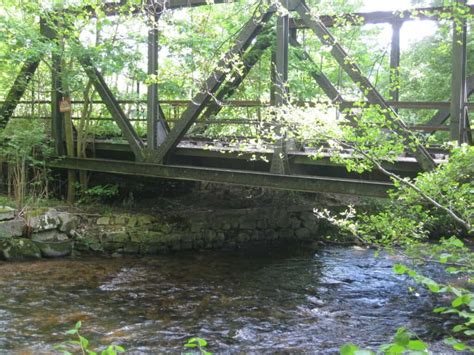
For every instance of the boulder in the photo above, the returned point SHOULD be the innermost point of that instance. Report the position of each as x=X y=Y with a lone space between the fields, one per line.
x=6 y=213
x=12 y=228
x=49 y=236
x=48 y=220
x=68 y=222
x=19 y=249
x=55 y=249
x=53 y=243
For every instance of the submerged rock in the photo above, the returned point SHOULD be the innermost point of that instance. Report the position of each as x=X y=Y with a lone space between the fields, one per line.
x=19 y=249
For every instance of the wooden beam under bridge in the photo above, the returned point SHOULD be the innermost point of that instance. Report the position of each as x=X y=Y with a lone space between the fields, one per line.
x=226 y=176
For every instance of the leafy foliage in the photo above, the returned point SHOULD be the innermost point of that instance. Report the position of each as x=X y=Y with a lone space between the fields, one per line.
x=404 y=342
x=82 y=343
x=197 y=343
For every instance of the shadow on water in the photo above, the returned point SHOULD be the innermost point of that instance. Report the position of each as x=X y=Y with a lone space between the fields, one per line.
x=288 y=299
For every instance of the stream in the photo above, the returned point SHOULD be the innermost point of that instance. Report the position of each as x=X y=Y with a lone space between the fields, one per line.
x=286 y=299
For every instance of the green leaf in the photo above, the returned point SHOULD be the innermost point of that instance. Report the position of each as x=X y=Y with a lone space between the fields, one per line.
x=197 y=341
x=458 y=328
x=78 y=325
x=400 y=269
x=457 y=302
x=417 y=345
x=439 y=309
x=363 y=352
x=84 y=342
x=443 y=258
x=71 y=331
x=348 y=349
x=402 y=337
x=459 y=346
x=396 y=349
x=434 y=287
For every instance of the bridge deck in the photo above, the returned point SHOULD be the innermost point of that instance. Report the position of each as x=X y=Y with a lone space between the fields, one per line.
x=240 y=164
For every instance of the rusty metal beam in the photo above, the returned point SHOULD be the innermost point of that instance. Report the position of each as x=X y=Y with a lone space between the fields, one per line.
x=243 y=41
x=18 y=90
x=249 y=60
x=321 y=79
x=157 y=128
x=133 y=8
x=458 y=113
x=382 y=17
x=443 y=114
x=352 y=70
x=136 y=144
x=395 y=62
x=226 y=176
x=280 y=163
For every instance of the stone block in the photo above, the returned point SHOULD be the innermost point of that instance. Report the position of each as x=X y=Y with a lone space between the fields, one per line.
x=47 y=221
x=55 y=249
x=210 y=235
x=19 y=249
x=196 y=227
x=165 y=228
x=132 y=221
x=49 y=236
x=144 y=220
x=103 y=221
x=295 y=223
x=243 y=237
x=6 y=213
x=303 y=233
x=220 y=237
x=283 y=222
x=12 y=228
x=131 y=248
x=121 y=219
x=248 y=223
x=270 y=234
x=152 y=248
x=262 y=223
x=67 y=222
x=117 y=236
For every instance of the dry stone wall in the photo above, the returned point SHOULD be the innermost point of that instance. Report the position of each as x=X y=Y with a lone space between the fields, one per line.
x=52 y=233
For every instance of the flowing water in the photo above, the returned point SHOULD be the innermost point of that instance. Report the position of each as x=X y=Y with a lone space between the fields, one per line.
x=268 y=299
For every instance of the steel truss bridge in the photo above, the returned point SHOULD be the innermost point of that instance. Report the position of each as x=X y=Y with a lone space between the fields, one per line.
x=168 y=152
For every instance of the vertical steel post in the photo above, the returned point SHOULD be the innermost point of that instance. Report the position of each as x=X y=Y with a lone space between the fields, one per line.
x=57 y=128
x=273 y=82
x=280 y=163
x=157 y=129
x=281 y=64
x=152 y=98
x=395 y=62
x=458 y=121
x=57 y=117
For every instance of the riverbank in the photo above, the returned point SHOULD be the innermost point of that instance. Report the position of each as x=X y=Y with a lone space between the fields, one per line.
x=213 y=218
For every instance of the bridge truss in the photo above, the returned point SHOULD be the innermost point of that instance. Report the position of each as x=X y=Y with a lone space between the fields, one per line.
x=164 y=153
